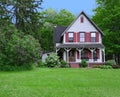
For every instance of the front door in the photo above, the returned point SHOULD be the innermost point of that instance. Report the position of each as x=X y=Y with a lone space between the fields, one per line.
x=72 y=55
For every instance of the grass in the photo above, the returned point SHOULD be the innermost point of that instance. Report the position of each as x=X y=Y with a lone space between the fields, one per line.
x=45 y=82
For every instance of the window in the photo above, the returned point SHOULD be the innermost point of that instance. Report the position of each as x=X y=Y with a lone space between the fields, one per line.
x=81 y=19
x=93 y=37
x=82 y=37
x=70 y=35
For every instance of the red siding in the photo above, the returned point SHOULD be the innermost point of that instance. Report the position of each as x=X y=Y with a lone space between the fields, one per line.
x=97 y=37
x=98 y=53
x=74 y=36
x=87 y=37
x=78 y=37
x=66 y=37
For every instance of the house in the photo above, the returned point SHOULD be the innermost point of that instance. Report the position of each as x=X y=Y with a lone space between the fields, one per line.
x=80 y=40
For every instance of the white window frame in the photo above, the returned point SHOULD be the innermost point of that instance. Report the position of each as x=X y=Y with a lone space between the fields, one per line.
x=82 y=38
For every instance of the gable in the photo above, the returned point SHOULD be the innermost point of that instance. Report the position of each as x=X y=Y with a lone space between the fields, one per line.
x=87 y=26
x=84 y=26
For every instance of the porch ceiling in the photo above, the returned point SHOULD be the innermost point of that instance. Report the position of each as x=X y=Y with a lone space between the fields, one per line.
x=80 y=46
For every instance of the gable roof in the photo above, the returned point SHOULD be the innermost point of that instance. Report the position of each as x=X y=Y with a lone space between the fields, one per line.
x=58 y=30
x=82 y=13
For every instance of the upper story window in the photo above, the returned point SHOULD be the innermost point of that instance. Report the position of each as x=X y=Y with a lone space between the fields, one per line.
x=93 y=37
x=82 y=37
x=81 y=19
x=70 y=36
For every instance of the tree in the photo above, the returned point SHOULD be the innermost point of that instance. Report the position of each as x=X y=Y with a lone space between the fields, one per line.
x=107 y=16
x=17 y=50
x=64 y=18
x=51 y=18
x=23 y=13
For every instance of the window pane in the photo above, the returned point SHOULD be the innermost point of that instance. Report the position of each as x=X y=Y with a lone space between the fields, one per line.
x=82 y=34
x=82 y=39
x=70 y=39
x=93 y=39
x=70 y=34
x=93 y=34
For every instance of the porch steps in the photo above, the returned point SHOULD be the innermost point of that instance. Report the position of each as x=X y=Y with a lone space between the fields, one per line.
x=74 y=65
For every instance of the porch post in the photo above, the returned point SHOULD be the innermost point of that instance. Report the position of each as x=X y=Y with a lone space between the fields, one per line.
x=80 y=49
x=92 y=50
x=67 y=56
x=57 y=49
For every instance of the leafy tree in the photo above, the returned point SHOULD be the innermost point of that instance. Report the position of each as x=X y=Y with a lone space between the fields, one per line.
x=107 y=16
x=51 y=18
x=18 y=51
x=64 y=18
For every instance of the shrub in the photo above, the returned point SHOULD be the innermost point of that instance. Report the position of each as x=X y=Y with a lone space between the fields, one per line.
x=83 y=63
x=106 y=67
x=96 y=66
x=110 y=62
x=63 y=64
x=116 y=66
x=41 y=64
x=19 y=52
x=52 y=60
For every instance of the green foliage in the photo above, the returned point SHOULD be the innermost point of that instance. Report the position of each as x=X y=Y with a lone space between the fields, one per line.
x=110 y=62
x=106 y=67
x=49 y=19
x=63 y=64
x=83 y=63
x=116 y=66
x=52 y=60
x=18 y=51
x=109 y=12
x=96 y=66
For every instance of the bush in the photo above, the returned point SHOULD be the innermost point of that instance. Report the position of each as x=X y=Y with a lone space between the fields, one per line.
x=63 y=64
x=19 y=52
x=52 y=60
x=83 y=63
x=41 y=64
x=96 y=66
x=116 y=66
x=106 y=67
x=110 y=62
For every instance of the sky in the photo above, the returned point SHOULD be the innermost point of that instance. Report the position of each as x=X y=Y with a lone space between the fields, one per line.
x=74 y=6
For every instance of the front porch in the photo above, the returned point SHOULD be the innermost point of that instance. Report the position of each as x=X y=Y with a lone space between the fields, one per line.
x=76 y=55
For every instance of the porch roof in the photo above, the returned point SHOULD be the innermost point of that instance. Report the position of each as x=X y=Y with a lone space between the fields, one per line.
x=80 y=46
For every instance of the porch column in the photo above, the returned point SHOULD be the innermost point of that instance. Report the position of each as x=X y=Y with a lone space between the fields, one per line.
x=57 y=49
x=80 y=50
x=67 y=56
x=92 y=50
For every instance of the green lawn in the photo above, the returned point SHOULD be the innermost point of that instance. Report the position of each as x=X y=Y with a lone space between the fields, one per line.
x=60 y=83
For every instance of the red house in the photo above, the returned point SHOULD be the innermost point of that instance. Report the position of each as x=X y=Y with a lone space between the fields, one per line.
x=80 y=40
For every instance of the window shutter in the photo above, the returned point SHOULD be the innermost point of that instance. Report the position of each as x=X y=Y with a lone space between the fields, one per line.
x=74 y=37
x=78 y=37
x=86 y=37
x=97 y=36
x=66 y=37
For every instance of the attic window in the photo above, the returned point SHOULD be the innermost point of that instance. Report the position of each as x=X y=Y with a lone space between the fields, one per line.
x=81 y=19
